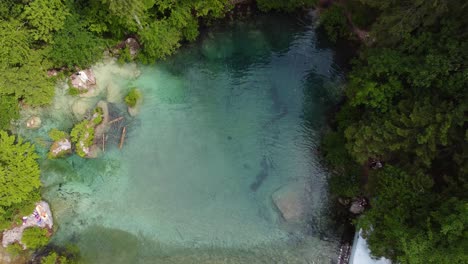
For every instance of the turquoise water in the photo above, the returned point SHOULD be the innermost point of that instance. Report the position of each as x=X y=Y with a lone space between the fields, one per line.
x=223 y=125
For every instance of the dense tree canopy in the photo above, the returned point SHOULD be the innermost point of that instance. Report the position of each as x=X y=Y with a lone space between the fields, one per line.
x=19 y=178
x=45 y=17
x=73 y=45
x=406 y=106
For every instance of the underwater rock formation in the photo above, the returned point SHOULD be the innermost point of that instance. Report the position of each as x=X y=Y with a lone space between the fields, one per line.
x=293 y=201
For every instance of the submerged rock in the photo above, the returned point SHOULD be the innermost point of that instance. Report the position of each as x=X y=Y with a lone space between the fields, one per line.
x=34 y=122
x=81 y=106
x=93 y=152
x=293 y=201
x=114 y=94
x=134 y=111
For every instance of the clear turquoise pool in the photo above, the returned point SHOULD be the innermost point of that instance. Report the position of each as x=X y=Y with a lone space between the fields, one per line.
x=225 y=123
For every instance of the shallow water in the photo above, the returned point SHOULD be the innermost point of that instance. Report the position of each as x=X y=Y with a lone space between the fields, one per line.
x=224 y=124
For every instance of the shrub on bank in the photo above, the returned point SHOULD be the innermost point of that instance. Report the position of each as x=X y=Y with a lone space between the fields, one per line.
x=14 y=249
x=35 y=237
x=132 y=97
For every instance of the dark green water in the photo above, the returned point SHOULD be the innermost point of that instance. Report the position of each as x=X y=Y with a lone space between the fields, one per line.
x=224 y=124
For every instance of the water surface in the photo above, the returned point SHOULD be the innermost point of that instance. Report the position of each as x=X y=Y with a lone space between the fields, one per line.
x=224 y=124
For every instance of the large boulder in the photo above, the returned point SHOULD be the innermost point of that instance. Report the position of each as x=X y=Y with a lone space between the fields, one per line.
x=133 y=46
x=94 y=152
x=83 y=80
x=81 y=106
x=358 y=205
x=60 y=148
x=134 y=111
x=293 y=201
x=114 y=93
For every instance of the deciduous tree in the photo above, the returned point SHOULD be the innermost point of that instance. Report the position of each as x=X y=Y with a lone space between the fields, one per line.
x=19 y=177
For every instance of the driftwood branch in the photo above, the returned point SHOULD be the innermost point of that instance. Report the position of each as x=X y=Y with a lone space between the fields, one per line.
x=122 y=137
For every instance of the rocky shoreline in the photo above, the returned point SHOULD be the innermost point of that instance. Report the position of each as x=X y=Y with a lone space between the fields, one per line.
x=41 y=217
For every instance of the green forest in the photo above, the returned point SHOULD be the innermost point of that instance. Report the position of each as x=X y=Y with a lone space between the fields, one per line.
x=405 y=105
x=406 y=108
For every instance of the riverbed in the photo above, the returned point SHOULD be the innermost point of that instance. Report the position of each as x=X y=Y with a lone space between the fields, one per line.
x=225 y=124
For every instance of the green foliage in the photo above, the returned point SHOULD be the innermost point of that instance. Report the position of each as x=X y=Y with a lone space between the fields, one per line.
x=159 y=40
x=132 y=97
x=344 y=179
x=19 y=178
x=333 y=20
x=406 y=107
x=56 y=134
x=22 y=69
x=45 y=17
x=9 y=110
x=35 y=237
x=284 y=5
x=82 y=135
x=15 y=41
x=420 y=226
x=74 y=91
x=97 y=116
x=14 y=249
x=128 y=11
x=9 y=9
x=124 y=56
x=74 y=46
x=28 y=81
x=50 y=259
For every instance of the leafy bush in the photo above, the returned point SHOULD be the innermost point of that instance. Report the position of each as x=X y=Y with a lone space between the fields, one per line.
x=82 y=132
x=97 y=116
x=50 y=259
x=124 y=56
x=333 y=20
x=14 y=249
x=132 y=97
x=35 y=237
x=56 y=134
x=74 y=91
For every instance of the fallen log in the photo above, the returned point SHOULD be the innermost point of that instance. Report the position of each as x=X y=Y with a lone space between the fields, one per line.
x=103 y=142
x=122 y=137
x=116 y=120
